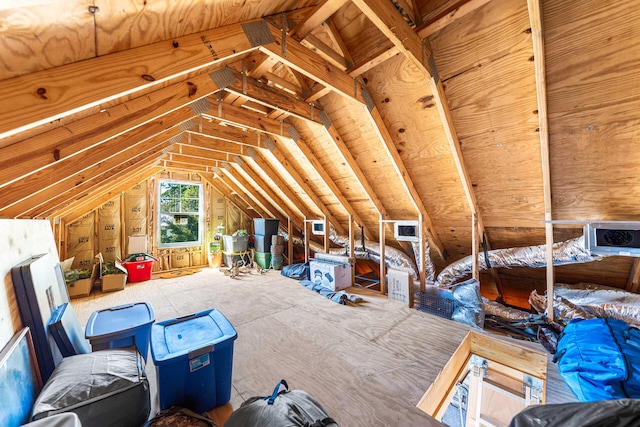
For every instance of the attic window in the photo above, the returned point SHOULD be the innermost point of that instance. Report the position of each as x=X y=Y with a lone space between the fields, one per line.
x=180 y=221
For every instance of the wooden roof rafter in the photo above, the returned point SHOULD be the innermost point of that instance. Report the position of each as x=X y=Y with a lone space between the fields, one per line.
x=96 y=199
x=69 y=192
x=441 y=17
x=65 y=174
x=277 y=199
x=221 y=188
x=302 y=183
x=162 y=61
x=263 y=165
x=237 y=177
x=333 y=188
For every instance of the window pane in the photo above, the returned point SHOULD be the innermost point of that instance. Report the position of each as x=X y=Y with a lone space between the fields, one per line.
x=179 y=213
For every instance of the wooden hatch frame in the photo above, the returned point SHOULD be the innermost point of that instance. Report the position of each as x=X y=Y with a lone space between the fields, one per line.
x=529 y=362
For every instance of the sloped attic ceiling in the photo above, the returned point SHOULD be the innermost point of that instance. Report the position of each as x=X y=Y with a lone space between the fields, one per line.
x=443 y=108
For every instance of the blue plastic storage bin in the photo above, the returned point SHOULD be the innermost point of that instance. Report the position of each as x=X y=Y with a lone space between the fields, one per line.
x=193 y=356
x=121 y=326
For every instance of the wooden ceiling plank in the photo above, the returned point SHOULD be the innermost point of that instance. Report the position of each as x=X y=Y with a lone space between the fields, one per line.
x=358 y=70
x=385 y=16
x=47 y=95
x=258 y=158
x=387 y=141
x=211 y=159
x=266 y=95
x=236 y=175
x=277 y=199
x=318 y=46
x=265 y=65
x=293 y=171
x=29 y=155
x=240 y=116
x=185 y=166
x=86 y=193
x=316 y=17
x=94 y=201
x=71 y=171
x=310 y=156
x=222 y=189
x=231 y=134
x=537 y=37
x=310 y=64
x=451 y=14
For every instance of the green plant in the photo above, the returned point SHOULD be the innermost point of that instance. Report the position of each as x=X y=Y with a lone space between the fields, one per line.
x=71 y=276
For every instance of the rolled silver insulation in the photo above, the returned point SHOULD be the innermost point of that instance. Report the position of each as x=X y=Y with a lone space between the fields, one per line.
x=603 y=301
x=496 y=309
x=569 y=252
x=371 y=250
x=564 y=310
x=429 y=270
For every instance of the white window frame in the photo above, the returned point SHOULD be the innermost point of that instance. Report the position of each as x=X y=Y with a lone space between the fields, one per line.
x=199 y=214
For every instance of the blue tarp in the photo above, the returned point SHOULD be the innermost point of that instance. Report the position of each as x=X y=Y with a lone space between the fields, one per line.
x=341 y=297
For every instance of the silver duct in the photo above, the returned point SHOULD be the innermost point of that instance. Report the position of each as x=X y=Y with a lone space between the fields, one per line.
x=429 y=270
x=569 y=252
x=371 y=250
x=501 y=310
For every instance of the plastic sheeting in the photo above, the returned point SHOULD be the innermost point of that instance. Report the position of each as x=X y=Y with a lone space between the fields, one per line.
x=341 y=297
x=569 y=252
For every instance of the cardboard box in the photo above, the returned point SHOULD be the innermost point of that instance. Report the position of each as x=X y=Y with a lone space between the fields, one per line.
x=82 y=287
x=332 y=275
x=112 y=281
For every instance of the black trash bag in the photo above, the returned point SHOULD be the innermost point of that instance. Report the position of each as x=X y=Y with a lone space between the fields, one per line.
x=605 y=413
x=282 y=408
x=296 y=271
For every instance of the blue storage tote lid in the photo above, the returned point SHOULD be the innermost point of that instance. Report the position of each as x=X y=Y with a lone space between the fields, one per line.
x=178 y=337
x=119 y=319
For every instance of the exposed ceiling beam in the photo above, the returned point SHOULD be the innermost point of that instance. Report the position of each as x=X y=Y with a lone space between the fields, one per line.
x=196 y=142
x=96 y=199
x=293 y=171
x=277 y=199
x=221 y=177
x=373 y=62
x=90 y=133
x=333 y=188
x=249 y=88
x=210 y=160
x=222 y=189
x=61 y=195
x=385 y=16
x=244 y=118
x=446 y=16
x=317 y=16
x=47 y=95
x=72 y=171
x=236 y=177
x=293 y=54
x=267 y=169
x=537 y=37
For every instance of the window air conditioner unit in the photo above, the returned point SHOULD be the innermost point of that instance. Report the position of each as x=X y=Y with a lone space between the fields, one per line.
x=317 y=227
x=406 y=231
x=613 y=238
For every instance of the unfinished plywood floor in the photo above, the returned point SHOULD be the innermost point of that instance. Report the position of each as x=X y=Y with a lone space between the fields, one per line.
x=368 y=365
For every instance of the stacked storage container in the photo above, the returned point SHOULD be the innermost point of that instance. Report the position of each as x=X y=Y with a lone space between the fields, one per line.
x=277 y=248
x=264 y=230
